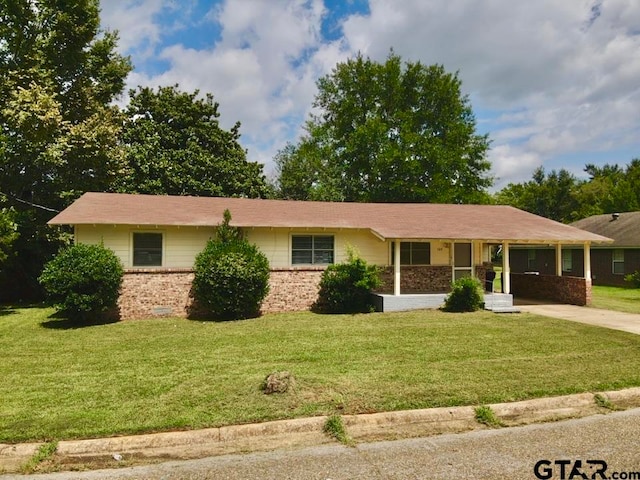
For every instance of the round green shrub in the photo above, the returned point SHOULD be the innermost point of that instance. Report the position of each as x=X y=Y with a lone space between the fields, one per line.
x=83 y=280
x=346 y=287
x=465 y=296
x=231 y=279
x=633 y=279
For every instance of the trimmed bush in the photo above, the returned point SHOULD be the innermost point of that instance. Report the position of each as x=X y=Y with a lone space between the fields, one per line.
x=633 y=279
x=83 y=280
x=466 y=296
x=231 y=279
x=346 y=287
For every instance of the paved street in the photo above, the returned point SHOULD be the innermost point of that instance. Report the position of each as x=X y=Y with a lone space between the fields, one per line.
x=488 y=454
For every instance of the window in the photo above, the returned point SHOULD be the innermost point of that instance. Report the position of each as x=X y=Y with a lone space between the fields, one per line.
x=618 y=262
x=312 y=249
x=412 y=253
x=531 y=259
x=567 y=260
x=147 y=249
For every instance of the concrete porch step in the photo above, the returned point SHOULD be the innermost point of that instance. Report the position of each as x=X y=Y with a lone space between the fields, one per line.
x=503 y=309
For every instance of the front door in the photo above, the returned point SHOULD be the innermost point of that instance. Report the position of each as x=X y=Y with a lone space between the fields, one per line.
x=462 y=260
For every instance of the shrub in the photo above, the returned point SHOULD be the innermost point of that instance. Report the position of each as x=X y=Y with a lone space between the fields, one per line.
x=346 y=287
x=231 y=276
x=83 y=280
x=465 y=296
x=633 y=279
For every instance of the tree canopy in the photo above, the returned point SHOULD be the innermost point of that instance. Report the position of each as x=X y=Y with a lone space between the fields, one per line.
x=388 y=132
x=58 y=130
x=175 y=146
x=561 y=196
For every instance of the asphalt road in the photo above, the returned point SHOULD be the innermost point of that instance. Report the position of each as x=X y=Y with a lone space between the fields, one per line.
x=509 y=453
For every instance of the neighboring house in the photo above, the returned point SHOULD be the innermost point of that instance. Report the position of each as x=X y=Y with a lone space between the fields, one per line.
x=422 y=248
x=609 y=262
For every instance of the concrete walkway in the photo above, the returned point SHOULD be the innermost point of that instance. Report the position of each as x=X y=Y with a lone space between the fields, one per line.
x=627 y=322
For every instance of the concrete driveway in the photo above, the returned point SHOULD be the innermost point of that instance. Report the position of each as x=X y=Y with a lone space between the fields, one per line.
x=627 y=322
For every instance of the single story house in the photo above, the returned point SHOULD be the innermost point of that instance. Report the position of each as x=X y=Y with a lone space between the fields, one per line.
x=610 y=262
x=421 y=248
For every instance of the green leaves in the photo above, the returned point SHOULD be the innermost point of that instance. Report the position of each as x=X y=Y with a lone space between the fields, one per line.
x=83 y=280
x=388 y=132
x=175 y=146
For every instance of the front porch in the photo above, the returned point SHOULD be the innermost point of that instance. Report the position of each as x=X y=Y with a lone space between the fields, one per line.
x=497 y=302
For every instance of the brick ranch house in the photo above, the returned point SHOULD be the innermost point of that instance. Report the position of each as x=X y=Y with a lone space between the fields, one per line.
x=420 y=247
x=609 y=262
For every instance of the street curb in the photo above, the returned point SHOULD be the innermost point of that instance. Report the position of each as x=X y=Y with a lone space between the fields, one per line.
x=303 y=432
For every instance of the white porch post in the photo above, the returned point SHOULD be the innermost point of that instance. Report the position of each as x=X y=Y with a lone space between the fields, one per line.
x=587 y=261
x=396 y=263
x=506 y=270
x=559 y=260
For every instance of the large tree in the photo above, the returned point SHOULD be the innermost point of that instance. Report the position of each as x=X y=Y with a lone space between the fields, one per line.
x=58 y=131
x=388 y=132
x=175 y=146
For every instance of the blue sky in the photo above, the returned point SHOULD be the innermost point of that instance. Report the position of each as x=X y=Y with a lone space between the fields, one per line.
x=553 y=82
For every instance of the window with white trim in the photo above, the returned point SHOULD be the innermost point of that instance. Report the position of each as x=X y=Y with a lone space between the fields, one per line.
x=618 y=262
x=312 y=249
x=567 y=260
x=412 y=253
x=147 y=249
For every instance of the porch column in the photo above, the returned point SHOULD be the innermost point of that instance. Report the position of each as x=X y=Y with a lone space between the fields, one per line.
x=587 y=261
x=396 y=264
x=559 y=260
x=506 y=270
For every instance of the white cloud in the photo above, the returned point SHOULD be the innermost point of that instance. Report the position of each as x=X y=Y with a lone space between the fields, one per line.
x=561 y=75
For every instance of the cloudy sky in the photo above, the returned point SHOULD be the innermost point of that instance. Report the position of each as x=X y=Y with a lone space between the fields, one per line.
x=553 y=82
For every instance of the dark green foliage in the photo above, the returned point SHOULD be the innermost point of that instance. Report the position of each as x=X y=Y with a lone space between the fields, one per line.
x=559 y=195
x=388 y=132
x=83 y=280
x=633 y=278
x=175 y=146
x=59 y=129
x=346 y=287
x=8 y=234
x=465 y=296
x=231 y=275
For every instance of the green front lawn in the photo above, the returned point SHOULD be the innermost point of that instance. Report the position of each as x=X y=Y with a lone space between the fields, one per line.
x=616 y=298
x=162 y=374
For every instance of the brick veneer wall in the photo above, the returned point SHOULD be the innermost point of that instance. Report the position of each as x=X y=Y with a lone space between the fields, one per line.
x=155 y=293
x=292 y=289
x=167 y=292
x=572 y=290
x=424 y=279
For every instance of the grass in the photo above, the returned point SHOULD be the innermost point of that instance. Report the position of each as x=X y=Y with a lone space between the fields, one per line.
x=484 y=414
x=616 y=298
x=165 y=374
x=334 y=427
x=44 y=453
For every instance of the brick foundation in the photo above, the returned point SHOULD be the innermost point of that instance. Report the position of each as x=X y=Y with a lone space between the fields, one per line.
x=155 y=293
x=571 y=290
x=167 y=292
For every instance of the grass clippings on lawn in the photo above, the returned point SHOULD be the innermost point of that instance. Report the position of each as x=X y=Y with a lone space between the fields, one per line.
x=164 y=374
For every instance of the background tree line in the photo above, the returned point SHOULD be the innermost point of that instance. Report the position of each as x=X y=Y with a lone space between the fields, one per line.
x=563 y=197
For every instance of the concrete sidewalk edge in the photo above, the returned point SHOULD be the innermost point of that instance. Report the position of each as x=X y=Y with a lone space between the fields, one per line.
x=304 y=432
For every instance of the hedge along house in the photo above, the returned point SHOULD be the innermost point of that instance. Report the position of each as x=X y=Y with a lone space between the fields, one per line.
x=421 y=248
x=609 y=262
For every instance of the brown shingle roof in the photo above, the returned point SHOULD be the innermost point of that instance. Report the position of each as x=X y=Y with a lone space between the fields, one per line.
x=625 y=229
x=388 y=220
